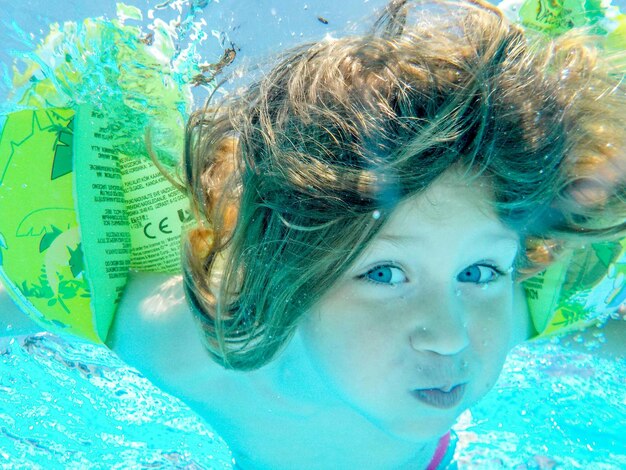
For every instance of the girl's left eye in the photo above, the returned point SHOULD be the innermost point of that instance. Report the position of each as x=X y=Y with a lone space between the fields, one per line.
x=479 y=274
x=390 y=275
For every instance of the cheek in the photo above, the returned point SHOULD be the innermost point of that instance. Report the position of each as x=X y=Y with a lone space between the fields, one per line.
x=352 y=347
x=491 y=313
x=491 y=332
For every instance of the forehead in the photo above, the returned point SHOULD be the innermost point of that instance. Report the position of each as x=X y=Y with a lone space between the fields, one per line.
x=452 y=203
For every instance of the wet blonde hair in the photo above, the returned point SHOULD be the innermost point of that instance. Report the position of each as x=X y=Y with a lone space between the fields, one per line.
x=286 y=177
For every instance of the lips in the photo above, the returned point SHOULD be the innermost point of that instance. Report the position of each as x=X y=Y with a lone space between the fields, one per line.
x=440 y=398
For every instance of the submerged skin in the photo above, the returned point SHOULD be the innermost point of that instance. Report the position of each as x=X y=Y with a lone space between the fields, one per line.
x=411 y=313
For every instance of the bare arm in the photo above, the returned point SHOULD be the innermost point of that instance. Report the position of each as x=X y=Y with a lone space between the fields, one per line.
x=154 y=332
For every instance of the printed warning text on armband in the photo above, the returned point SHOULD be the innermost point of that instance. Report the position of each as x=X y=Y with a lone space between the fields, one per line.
x=108 y=130
x=106 y=214
x=110 y=238
x=531 y=294
x=160 y=257
x=157 y=213
x=119 y=291
x=152 y=201
x=116 y=268
x=533 y=286
x=105 y=153
x=105 y=232
x=115 y=217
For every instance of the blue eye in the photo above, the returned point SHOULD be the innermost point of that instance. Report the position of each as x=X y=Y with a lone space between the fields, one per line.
x=479 y=274
x=385 y=275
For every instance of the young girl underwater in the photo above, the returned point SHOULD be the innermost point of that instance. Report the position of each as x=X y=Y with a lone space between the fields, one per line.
x=381 y=218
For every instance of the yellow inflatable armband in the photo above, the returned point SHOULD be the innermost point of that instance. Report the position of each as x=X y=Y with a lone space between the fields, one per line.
x=76 y=214
x=579 y=289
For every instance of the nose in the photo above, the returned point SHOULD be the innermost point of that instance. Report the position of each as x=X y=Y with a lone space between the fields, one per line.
x=439 y=325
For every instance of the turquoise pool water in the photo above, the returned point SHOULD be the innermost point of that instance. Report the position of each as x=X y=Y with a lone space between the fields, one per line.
x=75 y=405
x=69 y=404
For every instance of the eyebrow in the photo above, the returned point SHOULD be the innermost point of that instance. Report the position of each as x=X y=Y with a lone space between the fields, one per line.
x=494 y=235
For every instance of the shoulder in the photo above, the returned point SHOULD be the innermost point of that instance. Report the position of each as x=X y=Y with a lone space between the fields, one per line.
x=154 y=331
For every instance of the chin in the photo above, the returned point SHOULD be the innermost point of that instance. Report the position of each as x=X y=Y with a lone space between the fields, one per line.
x=424 y=428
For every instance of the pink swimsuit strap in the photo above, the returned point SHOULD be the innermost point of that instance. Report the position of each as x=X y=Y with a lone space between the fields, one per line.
x=440 y=452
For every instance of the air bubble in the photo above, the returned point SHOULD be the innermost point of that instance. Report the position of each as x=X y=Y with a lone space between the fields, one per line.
x=599 y=336
x=376 y=215
x=457 y=292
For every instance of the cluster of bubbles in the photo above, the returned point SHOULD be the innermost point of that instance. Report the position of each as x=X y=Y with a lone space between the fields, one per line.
x=139 y=74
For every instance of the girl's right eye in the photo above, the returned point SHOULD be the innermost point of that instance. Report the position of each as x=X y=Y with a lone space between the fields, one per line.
x=385 y=274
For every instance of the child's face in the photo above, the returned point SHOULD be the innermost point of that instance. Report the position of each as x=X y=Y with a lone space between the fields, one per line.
x=418 y=329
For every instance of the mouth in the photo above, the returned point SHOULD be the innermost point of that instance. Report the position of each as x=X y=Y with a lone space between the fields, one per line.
x=440 y=398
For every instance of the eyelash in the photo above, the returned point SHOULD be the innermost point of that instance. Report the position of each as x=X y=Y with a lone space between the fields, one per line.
x=365 y=276
x=498 y=273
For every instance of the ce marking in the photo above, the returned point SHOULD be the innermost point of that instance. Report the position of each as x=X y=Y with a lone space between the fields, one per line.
x=163 y=228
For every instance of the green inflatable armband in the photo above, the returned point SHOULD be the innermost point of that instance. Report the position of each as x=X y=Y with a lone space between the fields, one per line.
x=76 y=215
x=579 y=289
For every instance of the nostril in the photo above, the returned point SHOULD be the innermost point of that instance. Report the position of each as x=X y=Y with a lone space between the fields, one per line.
x=419 y=338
